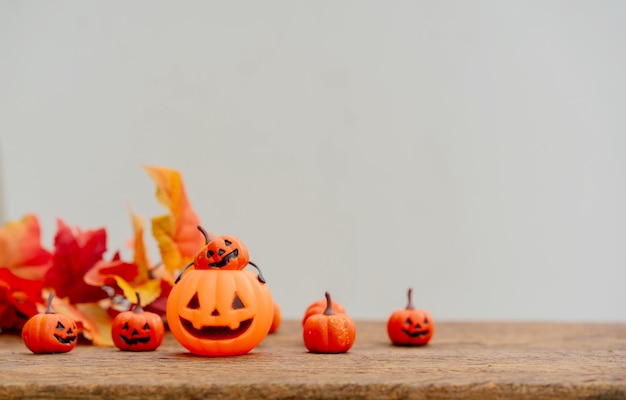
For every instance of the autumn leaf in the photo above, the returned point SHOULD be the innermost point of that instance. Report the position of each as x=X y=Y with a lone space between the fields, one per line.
x=92 y=320
x=18 y=299
x=176 y=233
x=75 y=253
x=138 y=276
x=20 y=248
x=23 y=263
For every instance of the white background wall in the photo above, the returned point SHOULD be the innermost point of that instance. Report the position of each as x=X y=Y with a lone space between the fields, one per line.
x=474 y=150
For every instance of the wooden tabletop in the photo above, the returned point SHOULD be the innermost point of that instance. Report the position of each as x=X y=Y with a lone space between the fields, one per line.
x=463 y=360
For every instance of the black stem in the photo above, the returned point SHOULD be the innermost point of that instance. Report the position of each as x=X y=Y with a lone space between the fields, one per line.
x=49 y=309
x=409 y=306
x=182 y=272
x=329 y=305
x=260 y=277
x=138 y=307
x=206 y=235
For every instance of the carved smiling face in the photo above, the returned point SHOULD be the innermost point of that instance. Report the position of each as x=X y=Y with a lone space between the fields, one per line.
x=219 y=312
x=50 y=332
x=65 y=333
x=222 y=252
x=137 y=330
x=417 y=325
x=410 y=326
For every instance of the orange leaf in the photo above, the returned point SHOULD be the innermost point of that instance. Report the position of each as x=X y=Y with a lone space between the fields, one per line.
x=176 y=233
x=21 y=251
x=93 y=320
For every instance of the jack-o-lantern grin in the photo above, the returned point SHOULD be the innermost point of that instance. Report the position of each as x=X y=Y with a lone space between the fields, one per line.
x=416 y=330
x=133 y=339
x=225 y=260
x=69 y=339
x=415 y=334
x=218 y=332
x=69 y=336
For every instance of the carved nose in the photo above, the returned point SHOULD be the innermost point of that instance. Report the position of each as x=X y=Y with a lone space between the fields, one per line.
x=135 y=333
x=215 y=313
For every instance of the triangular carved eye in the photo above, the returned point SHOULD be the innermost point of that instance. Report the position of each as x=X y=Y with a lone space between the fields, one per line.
x=408 y=321
x=237 y=303
x=194 y=303
x=227 y=242
x=60 y=326
x=125 y=327
x=146 y=327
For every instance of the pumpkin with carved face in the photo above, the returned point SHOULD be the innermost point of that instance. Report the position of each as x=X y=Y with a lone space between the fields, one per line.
x=222 y=252
x=217 y=308
x=410 y=326
x=219 y=312
x=50 y=332
x=137 y=330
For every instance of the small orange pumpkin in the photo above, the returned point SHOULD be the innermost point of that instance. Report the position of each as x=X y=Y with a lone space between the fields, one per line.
x=277 y=319
x=329 y=332
x=410 y=326
x=222 y=252
x=50 y=332
x=137 y=330
x=318 y=307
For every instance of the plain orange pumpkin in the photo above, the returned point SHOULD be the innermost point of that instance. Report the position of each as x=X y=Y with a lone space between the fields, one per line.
x=277 y=319
x=329 y=332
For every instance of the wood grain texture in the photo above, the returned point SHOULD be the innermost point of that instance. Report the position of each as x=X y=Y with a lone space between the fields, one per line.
x=463 y=360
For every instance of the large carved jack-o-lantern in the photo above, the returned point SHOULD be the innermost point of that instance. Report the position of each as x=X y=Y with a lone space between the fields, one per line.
x=410 y=326
x=214 y=311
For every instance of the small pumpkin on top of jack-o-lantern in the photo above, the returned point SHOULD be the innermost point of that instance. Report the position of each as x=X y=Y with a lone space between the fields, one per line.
x=217 y=308
x=410 y=326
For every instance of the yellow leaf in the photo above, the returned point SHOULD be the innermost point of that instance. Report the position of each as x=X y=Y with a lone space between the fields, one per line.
x=141 y=256
x=94 y=321
x=97 y=325
x=148 y=291
x=176 y=233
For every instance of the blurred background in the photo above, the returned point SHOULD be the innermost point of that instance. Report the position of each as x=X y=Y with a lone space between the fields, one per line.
x=475 y=151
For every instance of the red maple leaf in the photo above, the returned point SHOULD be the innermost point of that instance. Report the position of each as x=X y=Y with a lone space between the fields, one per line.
x=18 y=299
x=75 y=253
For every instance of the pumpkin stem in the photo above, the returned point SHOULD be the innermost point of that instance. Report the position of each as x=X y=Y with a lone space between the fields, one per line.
x=49 y=309
x=260 y=277
x=138 y=308
x=182 y=272
x=205 y=234
x=409 y=306
x=329 y=305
